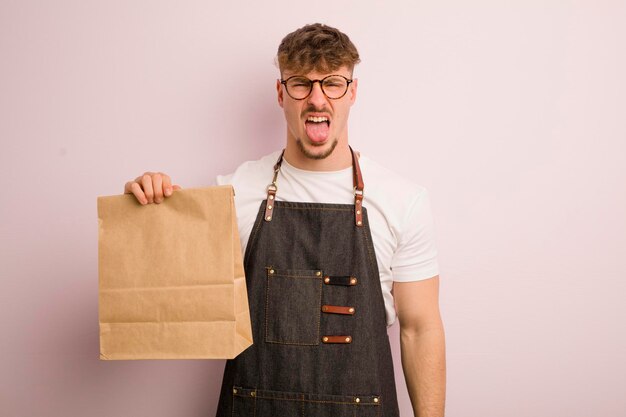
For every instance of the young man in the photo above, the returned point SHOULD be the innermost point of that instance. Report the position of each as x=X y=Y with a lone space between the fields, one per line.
x=322 y=258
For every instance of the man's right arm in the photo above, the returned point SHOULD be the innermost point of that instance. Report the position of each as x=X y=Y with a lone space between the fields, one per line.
x=151 y=187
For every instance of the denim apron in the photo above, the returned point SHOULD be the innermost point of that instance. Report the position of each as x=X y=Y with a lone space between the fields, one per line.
x=318 y=318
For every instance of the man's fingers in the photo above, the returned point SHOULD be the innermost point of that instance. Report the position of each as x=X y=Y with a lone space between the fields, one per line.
x=127 y=187
x=135 y=188
x=138 y=179
x=167 y=185
x=151 y=187
x=157 y=186
x=146 y=183
x=132 y=187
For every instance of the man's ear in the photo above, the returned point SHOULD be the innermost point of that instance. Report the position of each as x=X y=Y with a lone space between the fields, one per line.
x=352 y=90
x=279 y=92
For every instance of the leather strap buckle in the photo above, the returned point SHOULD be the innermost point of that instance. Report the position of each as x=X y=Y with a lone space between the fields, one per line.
x=271 y=191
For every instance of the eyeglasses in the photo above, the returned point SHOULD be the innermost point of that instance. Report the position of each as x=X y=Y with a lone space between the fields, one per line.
x=299 y=87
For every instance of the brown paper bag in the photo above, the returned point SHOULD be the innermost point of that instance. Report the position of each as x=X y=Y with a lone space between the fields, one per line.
x=172 y=283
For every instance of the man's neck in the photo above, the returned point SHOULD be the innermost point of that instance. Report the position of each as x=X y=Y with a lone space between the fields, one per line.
x=339 y=159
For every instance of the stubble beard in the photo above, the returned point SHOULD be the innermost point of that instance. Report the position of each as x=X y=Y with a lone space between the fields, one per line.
x=311 y=155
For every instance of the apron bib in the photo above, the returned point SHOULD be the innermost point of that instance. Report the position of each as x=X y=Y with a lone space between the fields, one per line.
x=318 y=318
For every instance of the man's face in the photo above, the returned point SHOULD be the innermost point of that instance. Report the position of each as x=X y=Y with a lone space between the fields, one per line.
x=317 y=124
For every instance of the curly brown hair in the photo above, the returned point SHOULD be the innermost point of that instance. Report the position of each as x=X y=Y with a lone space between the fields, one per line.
x=316 y=47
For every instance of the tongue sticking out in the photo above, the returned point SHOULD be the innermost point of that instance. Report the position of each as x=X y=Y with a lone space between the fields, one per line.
x=317 y=132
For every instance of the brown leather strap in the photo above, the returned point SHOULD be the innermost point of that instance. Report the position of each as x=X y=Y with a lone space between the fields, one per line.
x=271 y=190
x=358 y=178
x=358 y=208
x=337 y=339
x=343 y=280
x=338 y=310
x=277 y=164
x=358 y=189
x=269 y=204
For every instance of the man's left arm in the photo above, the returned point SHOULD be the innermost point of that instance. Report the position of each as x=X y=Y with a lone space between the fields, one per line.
x=422 y=345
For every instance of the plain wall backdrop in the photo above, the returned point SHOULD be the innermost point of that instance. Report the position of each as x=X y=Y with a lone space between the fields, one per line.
x=511 y=113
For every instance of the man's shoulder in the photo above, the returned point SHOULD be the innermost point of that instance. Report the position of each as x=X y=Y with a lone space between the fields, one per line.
x=395 y=201
x=380 y=179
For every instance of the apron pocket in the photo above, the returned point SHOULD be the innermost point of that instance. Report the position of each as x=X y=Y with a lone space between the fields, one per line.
x=293 y=306
x=249 y=402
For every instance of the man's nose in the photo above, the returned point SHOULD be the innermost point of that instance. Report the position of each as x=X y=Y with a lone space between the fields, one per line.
x=317 y=96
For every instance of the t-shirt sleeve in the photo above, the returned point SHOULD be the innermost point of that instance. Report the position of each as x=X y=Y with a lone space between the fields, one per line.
x=224 y=179
x=415 y=258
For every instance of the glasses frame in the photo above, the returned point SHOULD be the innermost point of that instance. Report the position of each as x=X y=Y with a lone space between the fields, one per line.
x=312 y=82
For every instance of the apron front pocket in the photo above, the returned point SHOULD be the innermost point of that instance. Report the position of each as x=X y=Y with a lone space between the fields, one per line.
x=248 y=402
x=293 y=306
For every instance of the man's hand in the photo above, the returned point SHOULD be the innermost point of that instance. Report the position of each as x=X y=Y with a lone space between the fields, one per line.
x=151 y=187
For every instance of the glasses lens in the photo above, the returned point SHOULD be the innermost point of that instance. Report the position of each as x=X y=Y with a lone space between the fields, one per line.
x=334 y=86
x=298 y=87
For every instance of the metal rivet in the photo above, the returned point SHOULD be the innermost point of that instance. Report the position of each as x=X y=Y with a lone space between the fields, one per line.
x=358 y=201
x=352 y=281
x=252 y=394
x=375 y=400
x=271 y=197
x=325 y=339
x=357 y=400
x=326 y=280
x=351 y=310
x=359 y=222
x=269 y=207
x=348 y=339
x=318 y=273
x=234 y=391
x=271 y=271
x=358 y=212
x=268 y=218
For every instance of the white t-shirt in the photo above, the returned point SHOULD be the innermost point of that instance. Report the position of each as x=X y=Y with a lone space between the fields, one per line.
x=398 y=211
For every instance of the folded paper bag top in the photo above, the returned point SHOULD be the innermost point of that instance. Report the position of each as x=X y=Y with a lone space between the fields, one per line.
x=171 y=277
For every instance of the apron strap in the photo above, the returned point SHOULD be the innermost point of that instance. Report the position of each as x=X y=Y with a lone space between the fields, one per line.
x=357 y=182
x=358 y=189
x=271 y=190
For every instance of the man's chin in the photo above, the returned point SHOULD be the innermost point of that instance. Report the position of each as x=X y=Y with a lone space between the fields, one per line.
x=317 y=151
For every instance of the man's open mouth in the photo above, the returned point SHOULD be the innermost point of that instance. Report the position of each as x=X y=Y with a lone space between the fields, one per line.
x=317 y=128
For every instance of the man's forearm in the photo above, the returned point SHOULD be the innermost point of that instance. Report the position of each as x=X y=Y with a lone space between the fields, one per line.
x=424 y=365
